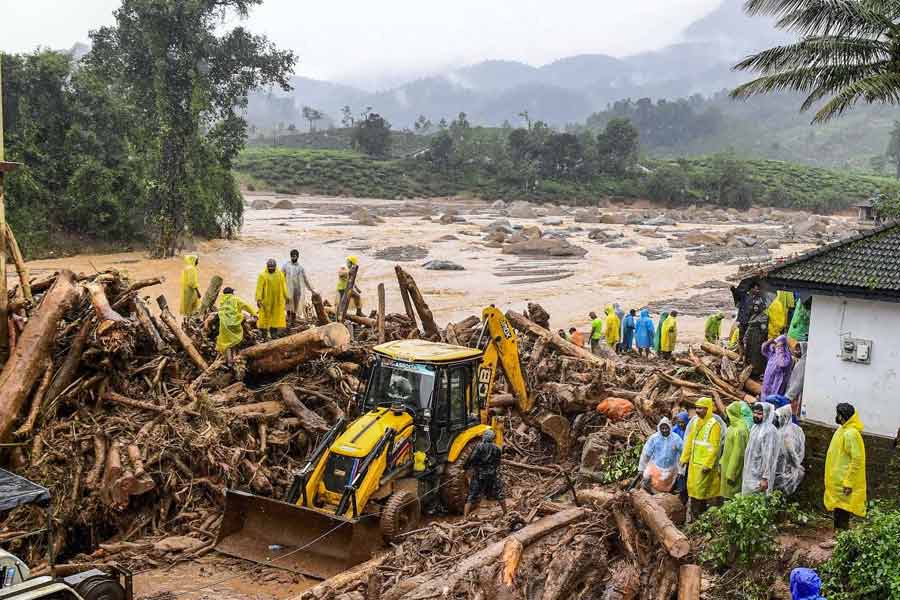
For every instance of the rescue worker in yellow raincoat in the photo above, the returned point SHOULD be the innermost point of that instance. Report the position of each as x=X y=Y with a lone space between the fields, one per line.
x=271 y=296
x=344 y=280
x=231 y=322
x=669 y=335
x=190 y=286
x=777 y=318
x=613 y=326
x=702 y=444
x=845 y=468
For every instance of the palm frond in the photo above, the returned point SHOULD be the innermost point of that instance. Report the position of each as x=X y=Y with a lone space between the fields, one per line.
x=828 y=17
x=817 y=51
x=883 y=88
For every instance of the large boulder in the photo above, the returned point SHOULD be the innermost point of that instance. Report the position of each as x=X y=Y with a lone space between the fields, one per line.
x=284 y=204
x=363 y=217
x=614 y=219
x=552 y=221
x=443 y=265
x=587 y=215
x=544 y=247
x=660 y=221
x=501 y=225
x=520 y=210
x=499 y=205
x=260 y=204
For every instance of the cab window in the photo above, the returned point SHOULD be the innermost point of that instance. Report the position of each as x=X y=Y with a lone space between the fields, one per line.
x=459 y=384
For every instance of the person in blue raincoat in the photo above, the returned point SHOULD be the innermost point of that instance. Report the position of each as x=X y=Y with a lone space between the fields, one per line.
x=628 y=327
x=644 y=332
x=681 y=421
x=805 y=585
x=659 y=458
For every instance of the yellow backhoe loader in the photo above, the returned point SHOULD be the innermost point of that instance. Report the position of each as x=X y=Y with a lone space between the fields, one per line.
x=424 y=409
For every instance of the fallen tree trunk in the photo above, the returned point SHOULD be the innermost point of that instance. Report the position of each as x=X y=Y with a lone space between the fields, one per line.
x=345 y=299
x=105 y=312
x=522 y=323
x=21 y=268
x=37 y=400
x=260 y=410
x=66 y=374
x=443 y=583
x=286 y=353
x=751 y=385
x=348 y=579
x=404 y=294
x=186 y=343
x=146 y=321
x=309 y=420
x=652 y=514
x=689 y=582
x=425 y=315
x=211 y=294
x=25 y=365
x=381 y=309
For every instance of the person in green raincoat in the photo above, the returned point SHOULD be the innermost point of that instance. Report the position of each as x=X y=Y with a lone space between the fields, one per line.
x=658 y=335
x=713 y=328
x=732 y=465
x=747 y=413
x=271 y=298
x=701 y=455
x=231 y=320
x=190 y=286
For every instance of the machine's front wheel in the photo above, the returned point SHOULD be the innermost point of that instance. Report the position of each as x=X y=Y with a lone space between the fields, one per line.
x=401 y=513
x=454 y=483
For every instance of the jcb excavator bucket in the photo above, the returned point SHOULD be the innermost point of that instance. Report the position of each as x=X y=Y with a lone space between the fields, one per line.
x=302 y=540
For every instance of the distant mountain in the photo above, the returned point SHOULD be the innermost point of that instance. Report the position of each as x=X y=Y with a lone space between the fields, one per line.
x=566 y=90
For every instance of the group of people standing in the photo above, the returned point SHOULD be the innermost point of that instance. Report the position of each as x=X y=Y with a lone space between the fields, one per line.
x=280 y=298
x=627 y=333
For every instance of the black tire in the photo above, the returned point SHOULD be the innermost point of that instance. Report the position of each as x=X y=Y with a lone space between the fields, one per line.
x=101 y=587
x=454 y=483
x=401 y=513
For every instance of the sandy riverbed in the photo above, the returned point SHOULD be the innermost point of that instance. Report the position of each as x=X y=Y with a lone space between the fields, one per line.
x=324 y=238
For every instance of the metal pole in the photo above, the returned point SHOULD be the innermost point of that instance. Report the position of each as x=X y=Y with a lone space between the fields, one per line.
x=4 y=299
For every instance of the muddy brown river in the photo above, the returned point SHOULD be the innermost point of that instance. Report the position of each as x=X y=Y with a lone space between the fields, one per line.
x=325 y=237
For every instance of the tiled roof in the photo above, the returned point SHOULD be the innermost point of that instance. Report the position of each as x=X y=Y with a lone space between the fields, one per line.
x=866 y=264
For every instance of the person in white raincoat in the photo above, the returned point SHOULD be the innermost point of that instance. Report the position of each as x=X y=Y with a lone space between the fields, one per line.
x=761 y=455
x=297 y=283
x=659 y=458
x=789 y=470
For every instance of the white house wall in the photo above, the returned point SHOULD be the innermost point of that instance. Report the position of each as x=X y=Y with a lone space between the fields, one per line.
x=874 y=389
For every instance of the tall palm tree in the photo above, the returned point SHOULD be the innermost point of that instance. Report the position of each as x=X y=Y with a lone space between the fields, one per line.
x=849 y=51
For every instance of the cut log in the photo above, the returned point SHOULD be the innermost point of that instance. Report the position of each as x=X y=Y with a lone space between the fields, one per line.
x=345 y=299
x=146 y=321
x=21 y=268
x=25 y=366
x=425 y=316
x=689 y=582
x=211 y=295
x=522 y=323
x=556 y=427
x=381 y=308
x=627 y=532
x=110 y=493
x=186 y=343
x=512 y=554
x=625 y=582
x=111 y=396
x=719 y=351
x=37 y=401
x=594 y=496
x=671 y=503
x=667 y=583
x=99 y=460
x=286 y=353
x=569 y=568
x=444 y=582
x=348 y=579
x=105 y=312
x=652 y=514
x=309 y=420
x=502 y=400
x=319 y=306
x=266 y=410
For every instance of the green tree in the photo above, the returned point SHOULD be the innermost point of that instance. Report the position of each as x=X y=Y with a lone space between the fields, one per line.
x=668 y=184
x=422 y=125
x=312 y=115
x=847 y=53
x=441 y=150
x=372 y=135
x=732 y=183
x=617 y=146
x=347 y=119
x=188 y=81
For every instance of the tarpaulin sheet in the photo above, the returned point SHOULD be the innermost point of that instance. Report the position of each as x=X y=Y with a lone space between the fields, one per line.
x=17 y=491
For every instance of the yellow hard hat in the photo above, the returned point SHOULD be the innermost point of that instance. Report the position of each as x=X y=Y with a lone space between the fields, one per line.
x=353 y=260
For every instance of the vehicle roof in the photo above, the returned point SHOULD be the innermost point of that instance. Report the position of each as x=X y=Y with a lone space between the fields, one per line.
x=17 y=491
x=425 y=351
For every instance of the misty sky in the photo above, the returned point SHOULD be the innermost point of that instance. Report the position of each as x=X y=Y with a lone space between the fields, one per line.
x=374 y=43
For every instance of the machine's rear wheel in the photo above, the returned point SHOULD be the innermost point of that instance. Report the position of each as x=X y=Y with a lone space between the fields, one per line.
x=454 y=483
x=101 y=587
x=401 y=513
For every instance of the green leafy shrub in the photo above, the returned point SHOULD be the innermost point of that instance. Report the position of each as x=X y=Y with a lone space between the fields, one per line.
x=619 y=465
x=866 y=561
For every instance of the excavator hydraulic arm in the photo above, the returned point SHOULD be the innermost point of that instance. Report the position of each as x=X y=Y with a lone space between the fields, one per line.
x=502 y=350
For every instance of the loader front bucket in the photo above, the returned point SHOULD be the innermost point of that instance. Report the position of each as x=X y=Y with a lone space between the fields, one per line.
x=302 y=540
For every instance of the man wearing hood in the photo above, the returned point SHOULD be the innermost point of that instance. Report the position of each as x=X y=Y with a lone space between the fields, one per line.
x=644 y=333
x=712 y=330
x=669 y=336
x=681 y=422
x=794 y=390
x=485 y=460
x=733 y=452
x=789 y=471
x=231 y=322
x=845 y=468
x=805 y=585
x=629 y=324
x=271 y=296
x=613 y=327
x=701 y=452
x=297 y=284
x=761 y=455
x=190 y=286
x=659 y=458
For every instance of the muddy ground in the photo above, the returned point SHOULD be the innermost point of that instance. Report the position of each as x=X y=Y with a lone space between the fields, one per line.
x=567 y=287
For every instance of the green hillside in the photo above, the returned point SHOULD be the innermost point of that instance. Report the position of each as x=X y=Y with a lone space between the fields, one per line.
x=345 y=173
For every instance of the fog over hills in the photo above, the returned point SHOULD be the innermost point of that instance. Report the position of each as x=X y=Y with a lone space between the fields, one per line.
x=564 y=91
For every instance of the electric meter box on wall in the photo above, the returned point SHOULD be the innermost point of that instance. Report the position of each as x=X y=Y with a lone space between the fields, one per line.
x=856 y=350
